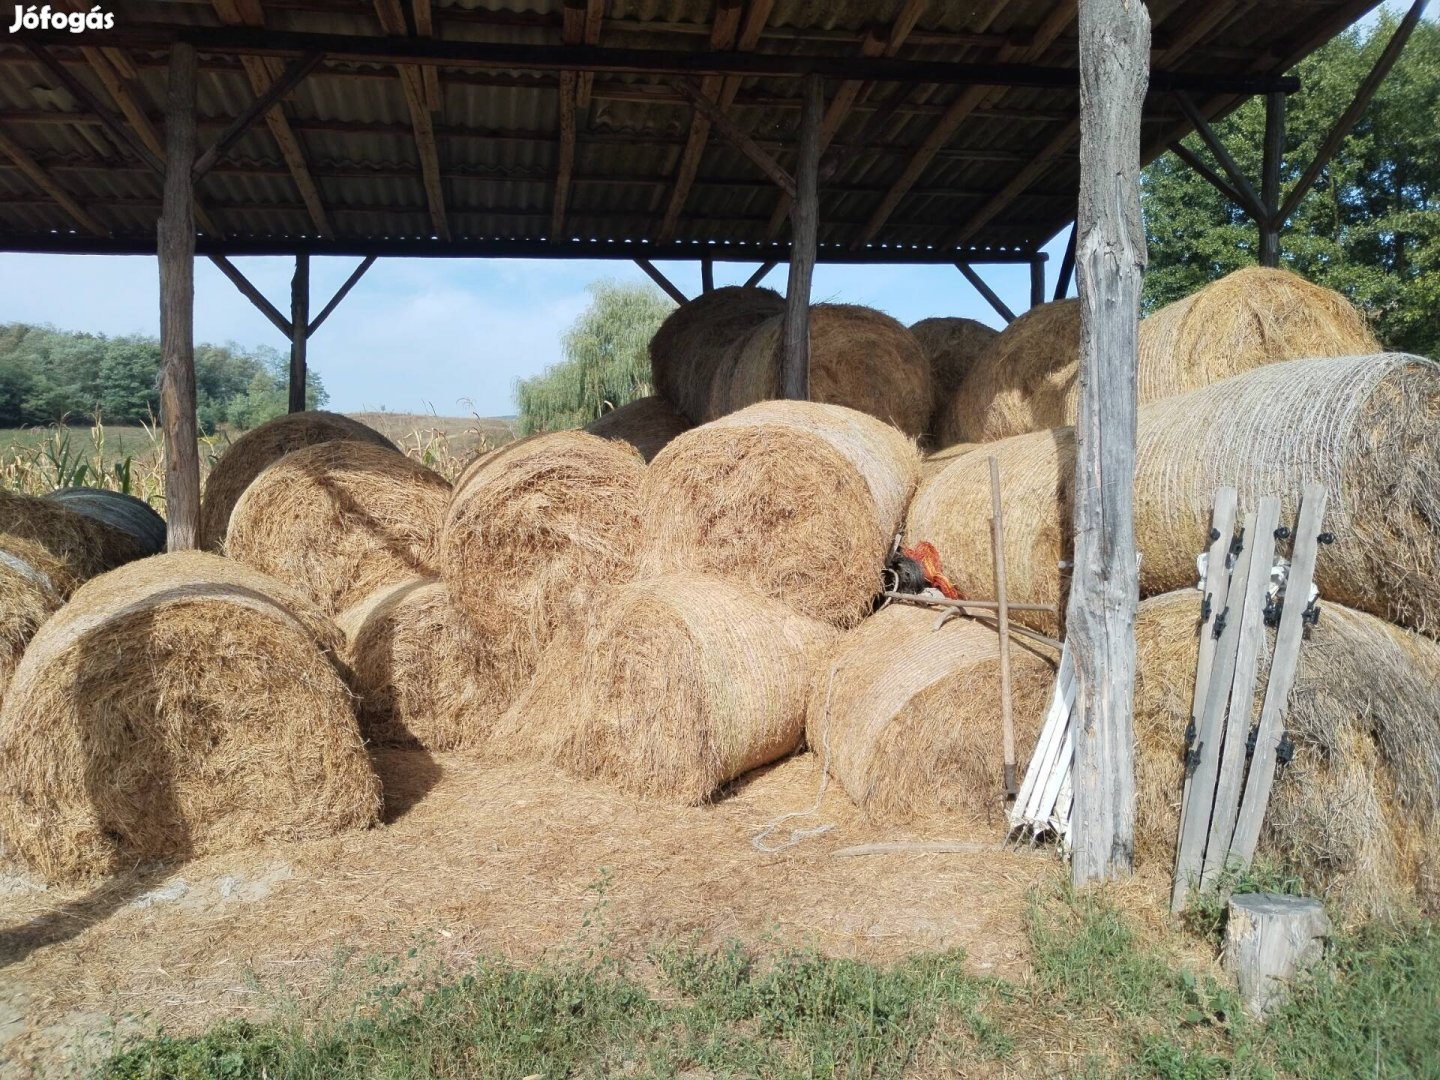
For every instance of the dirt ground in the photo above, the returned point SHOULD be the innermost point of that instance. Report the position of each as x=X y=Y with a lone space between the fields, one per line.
x=480 y=860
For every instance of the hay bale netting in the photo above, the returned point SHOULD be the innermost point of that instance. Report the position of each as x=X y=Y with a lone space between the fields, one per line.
x=27 y=599
x=1368 y=428
x=1246 y=319
x=648 y=424
x=66 y=547
x=1021 y=382
x=257 y=449
x=182 y=705
x=119 y=511
x=339 y=520
x=534 y=530
x=424 y=673
x=908 y=717
x=953 y=345
x=692 y=342
x=671 y=687
x=1357 y=811
x=859 y=357
x=797 y=500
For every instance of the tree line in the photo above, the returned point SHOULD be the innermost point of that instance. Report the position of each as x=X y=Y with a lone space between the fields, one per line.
x=51 y=376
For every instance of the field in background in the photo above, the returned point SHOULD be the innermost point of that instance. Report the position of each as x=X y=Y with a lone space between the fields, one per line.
x=37 y=460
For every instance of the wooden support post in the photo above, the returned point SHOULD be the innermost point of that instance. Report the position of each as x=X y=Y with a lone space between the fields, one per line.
x=804 y=230
x=707 y=274
x=175 y=246
x=299 y=330
x=1037 y=279
x=1067 y=265
x=663 y=281
x=1002 y=602
x=1001 y=308
x=1104 y=594
x=1270 y=179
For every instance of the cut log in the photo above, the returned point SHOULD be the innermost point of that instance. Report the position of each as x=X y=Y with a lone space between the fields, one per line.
x=1270 y=939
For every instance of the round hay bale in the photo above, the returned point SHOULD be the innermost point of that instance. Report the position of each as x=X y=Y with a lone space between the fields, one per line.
x=1246 y=319
x=648 y=424
x=1356 y=813
x=1368 y=428
x=693 y=340
x=1021 y=382
x=799 y=501
x=27 y=599
x=257 y=449
x=425 y=675
x=908 y=717
x=338 y=520
x=534 y=530
x=119 y=511
x=671 y=687
x=182 y=705
x=859 y=357
x=66 y=547
x=953 y=345
x=937 y=462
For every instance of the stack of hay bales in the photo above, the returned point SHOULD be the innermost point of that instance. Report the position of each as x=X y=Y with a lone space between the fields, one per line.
x=1027 y=380
x=117 y=510
x=692 y=342
x=178 y=706
x=338 y=520
x=1356 y=813
x=257 y=449
x=648 y=424
x=953 y=345
x=859 y=357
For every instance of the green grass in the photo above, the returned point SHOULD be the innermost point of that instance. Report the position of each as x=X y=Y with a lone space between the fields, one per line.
x=1102 y=1002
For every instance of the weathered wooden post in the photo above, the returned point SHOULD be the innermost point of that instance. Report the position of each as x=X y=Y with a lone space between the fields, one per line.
x=1037 y=279
x=175 y=246
x=299 y=329
x=1270 y=179
x=804 y=229
x=1110 y=260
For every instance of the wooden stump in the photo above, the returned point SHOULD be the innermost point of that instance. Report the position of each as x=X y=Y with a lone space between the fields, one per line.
x=1269 y=939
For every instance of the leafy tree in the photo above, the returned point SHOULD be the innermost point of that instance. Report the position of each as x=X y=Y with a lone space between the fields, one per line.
x=1370 y=228
x=607 y=360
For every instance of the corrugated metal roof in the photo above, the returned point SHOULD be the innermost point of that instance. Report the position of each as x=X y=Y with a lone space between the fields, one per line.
x=497 y=133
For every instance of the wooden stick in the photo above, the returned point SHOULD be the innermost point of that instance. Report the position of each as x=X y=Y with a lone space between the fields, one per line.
x=917 y=847
x=982 y=605
x=997 y=546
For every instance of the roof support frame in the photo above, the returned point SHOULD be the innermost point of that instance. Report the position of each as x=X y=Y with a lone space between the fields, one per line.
x=759 y=275
x=340 y=294
x=299 y=330
x=733 y=134
x=422 y=123
x=1249 y=201
x=1067 y=265
x=664 y=282
x=47 y=184
x=991 y=297
x=288 y=79
x=805 y=228
x=255 y=296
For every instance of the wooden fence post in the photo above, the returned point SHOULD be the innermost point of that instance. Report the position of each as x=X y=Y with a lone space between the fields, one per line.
x=804 y=229
x=1110 y=261
x=175 y=246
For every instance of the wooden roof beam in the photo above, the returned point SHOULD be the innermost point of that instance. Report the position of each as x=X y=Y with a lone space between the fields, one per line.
x=572 y=32
x=1058 y=144
x=425 y=28
x=46 y=183
x=288 y=80
x=412 y=85
x=737 y=137
x=262 y=73
x=594 y=21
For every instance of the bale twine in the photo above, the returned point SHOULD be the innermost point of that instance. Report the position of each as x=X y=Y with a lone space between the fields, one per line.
x=692 y=342
x=67 y=547
x=953 y=345
x=908 y=717
x=533 y=531
x=119 y=511
x=339 y=520
x=27 y=598
x=182 y=705
x=1246 y=319
x=1368 y=428
x=648 y=424
x=859 y=357
x=1357 y=811
x=671 y=687
x=799 y=501
x=426 y=677
x=1021 y=382
x=258 y=448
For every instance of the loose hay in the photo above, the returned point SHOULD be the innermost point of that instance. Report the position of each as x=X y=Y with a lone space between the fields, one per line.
x=536 y=528
x=339 y=520
x=953 y=346
x=179 y=706
x=1357 y=812
x=425 y=675
x=1021 y=382
x=859 y=357
x=692 y=342
x=648 y=424
x=67 y=547
x=671 y=687
x=908 y=717
x=257 y=449
x=799 y=501
x=130 y=515
x=1366 y=427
